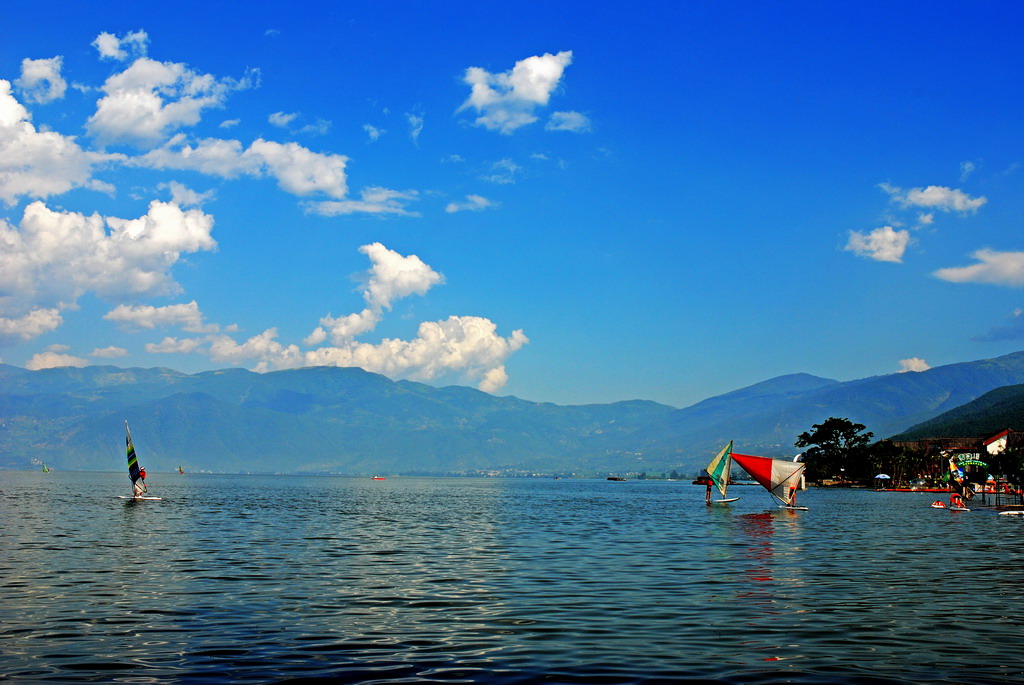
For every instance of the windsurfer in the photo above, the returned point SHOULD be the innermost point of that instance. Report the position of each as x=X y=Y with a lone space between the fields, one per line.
x=707 y=495
x=139 y=486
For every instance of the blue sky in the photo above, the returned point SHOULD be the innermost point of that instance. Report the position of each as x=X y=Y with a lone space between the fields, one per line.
x=571 y=203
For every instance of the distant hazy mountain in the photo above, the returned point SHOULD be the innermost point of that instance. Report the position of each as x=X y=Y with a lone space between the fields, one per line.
x=766 y=418
x=986 y=416
x=351 y=421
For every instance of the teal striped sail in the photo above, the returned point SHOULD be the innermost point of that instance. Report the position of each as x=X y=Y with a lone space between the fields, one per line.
x=133 y=461
x=720 y=468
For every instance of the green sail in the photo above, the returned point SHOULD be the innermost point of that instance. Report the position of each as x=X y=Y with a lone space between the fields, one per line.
x=720 y=467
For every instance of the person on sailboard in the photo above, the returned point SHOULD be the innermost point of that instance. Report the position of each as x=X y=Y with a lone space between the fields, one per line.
x=139 y=486
x=707 y=495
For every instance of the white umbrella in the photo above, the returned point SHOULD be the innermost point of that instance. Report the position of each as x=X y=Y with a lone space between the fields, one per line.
x=882 y=476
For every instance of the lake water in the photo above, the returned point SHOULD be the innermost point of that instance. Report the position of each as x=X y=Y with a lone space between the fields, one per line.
x=265 y=578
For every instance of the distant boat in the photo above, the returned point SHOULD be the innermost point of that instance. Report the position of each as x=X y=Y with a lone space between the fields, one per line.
x=616 y=478
x=378 y=478
x=181 y=470
x=719 y=470
x=779 y=477
x=45 y=468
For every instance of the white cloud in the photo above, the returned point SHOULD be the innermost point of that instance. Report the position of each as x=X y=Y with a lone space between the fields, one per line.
x=55 y=257
x=375 y=200
x=41 y=80
x=110 y=352
x=264 y=348
x=130 y=45
x=54 y=357
x=31 y=325
x=320 y=127
x=503 y=172
x=183 y=196
x=298 y=169
x=473 y=203
x=393 y=276
x=230 y=123
x=935 y=197
x=882 y=244
x=966 y=169
x=186 y=316
x=175 y=346
x=38 y=163
x=574 y=122
x=913 y=364
x=465 y=345
x=150 y=100
x=507 y=101
x=994 y=267
x=468 y=345
x=301 y=171
x=415 y=126
x=373 y=132
x=281 y=119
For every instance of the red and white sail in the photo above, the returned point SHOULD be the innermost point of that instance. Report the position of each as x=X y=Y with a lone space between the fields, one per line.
x=781 y=478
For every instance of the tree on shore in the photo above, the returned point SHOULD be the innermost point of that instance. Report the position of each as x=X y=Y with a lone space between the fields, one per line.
x=834 y=446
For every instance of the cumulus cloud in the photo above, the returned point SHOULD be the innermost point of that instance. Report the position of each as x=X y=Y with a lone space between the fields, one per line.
x=574 y=122
x=883 y=244
x=145 y=317
x=298 y=170
x=55 y=356
x=31 y=325
x=508 y=101
x=39 y=163
x=264 y=348
x=913 y=364
x=111 y=352
x=41 y=80
x=281 y=119
x=994 y=267
x=183 y=196
x=468 y=346
x=175 y=346
x=473 y=203
x=130 y=45
x=149 y=100
x=935 y=197
x=54 y=257
x=375 y=200
x=392 y=276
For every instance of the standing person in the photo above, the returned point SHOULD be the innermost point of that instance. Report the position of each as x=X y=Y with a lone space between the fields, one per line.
x=707 y=495
x=139 y=486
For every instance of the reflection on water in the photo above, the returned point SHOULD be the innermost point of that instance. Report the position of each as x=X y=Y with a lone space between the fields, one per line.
x=257 y=578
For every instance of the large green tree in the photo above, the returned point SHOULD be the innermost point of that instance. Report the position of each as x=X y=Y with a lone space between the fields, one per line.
x=833 y=446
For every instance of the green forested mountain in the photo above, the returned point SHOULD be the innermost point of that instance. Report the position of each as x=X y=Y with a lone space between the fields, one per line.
x=986 y=416
x=350 y=421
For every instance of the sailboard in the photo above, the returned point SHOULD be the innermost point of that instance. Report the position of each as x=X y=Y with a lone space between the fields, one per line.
x=46 y=469
x=134 y=471
x=181 y=470
x=780 y=478
x=719 y=470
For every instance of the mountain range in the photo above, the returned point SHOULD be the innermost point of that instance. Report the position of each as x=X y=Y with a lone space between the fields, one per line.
x=346 y=420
